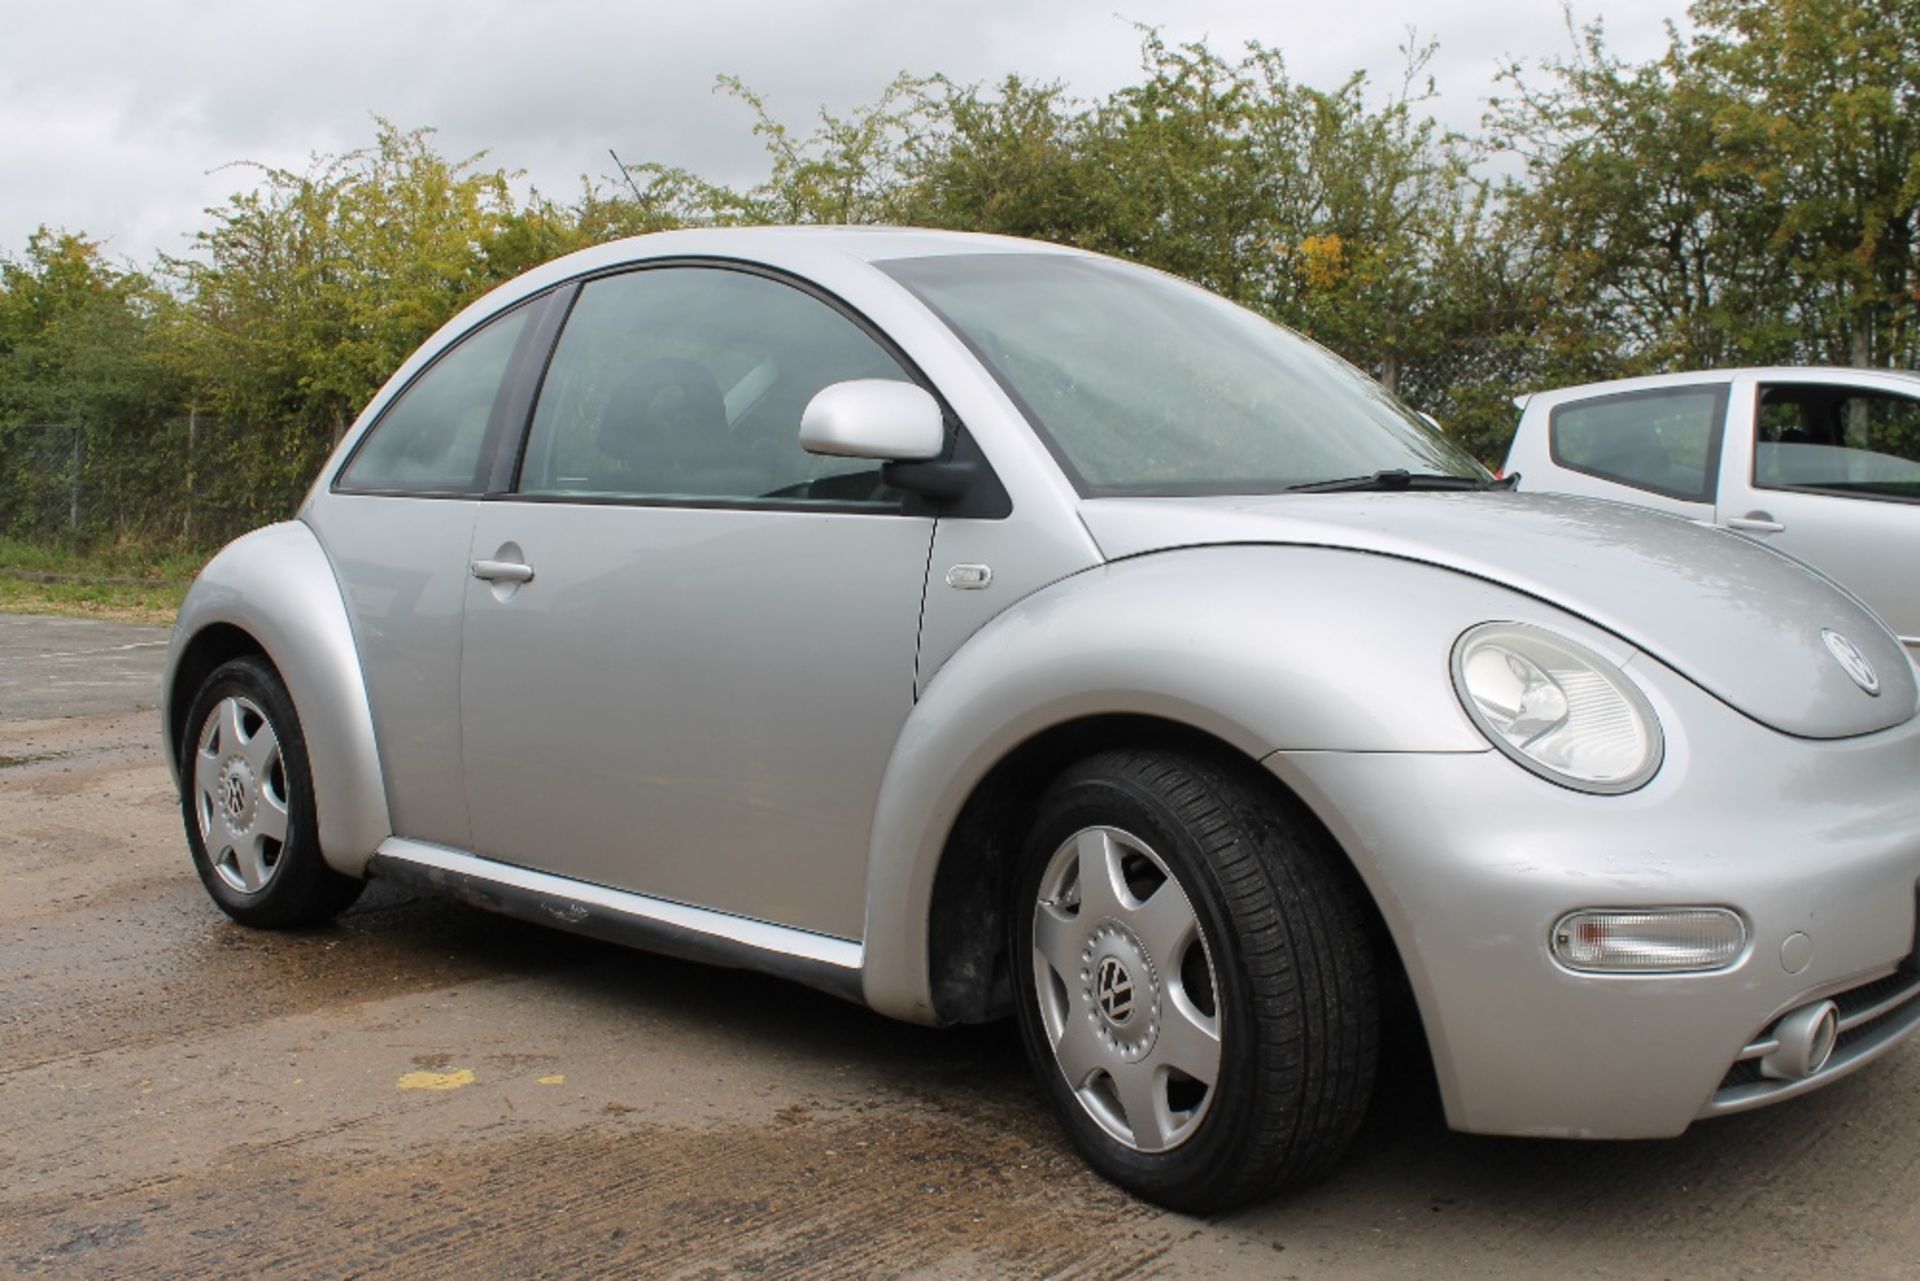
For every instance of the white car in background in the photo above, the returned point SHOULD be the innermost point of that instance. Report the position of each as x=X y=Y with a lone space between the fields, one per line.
x=1823 y=464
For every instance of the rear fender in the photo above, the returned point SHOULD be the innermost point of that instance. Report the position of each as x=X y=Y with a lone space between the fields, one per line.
x=278 y=587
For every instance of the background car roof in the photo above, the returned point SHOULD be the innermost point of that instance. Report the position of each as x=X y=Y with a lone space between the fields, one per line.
x=1776 y=373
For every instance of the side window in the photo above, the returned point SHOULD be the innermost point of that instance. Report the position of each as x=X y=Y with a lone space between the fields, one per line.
x=1665 y=441
x=428 y=440
x=1841 y=440
x=688 y=383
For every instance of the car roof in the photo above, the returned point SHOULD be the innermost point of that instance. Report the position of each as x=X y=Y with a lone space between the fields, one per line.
x=792 y=247
x=871 y=244
x=809 y=251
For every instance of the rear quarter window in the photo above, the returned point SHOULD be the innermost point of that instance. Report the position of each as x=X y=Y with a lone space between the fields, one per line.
x=1665 y=441
x=429 y=440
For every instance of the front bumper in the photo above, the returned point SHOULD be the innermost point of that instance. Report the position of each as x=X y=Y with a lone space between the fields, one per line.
x=1873 y=1018
x=1472 y=859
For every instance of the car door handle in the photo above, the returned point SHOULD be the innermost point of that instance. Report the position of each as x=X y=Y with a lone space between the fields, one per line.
x=1755 y=523
x=502 y=571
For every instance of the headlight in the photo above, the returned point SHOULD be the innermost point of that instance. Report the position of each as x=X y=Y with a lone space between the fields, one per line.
x=1556 y=707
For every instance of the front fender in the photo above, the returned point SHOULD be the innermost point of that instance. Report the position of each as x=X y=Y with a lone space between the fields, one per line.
x=277 y=586
x=1265 y=648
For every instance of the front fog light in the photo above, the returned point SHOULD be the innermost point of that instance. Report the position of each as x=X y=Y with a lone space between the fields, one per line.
x=1653 y=941
x=1556 y=707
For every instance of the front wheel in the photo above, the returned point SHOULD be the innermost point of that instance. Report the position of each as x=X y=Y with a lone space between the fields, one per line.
x=247 y=798
x=1194 y=980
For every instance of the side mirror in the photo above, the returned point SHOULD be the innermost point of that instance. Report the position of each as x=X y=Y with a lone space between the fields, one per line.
x=874 y=418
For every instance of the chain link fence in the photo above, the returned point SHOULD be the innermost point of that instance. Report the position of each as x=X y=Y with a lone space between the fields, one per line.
x=194 y=480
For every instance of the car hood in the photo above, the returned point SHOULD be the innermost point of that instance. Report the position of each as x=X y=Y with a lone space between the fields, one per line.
x=1742 y=621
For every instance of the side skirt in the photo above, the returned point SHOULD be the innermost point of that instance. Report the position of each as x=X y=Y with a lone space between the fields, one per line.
x=656 y=925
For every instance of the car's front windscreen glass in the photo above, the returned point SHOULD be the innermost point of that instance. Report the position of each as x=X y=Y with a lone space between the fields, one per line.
x=1143 y=385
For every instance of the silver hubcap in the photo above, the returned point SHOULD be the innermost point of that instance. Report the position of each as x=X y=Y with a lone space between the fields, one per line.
x=240 y=794
x=1126 y=989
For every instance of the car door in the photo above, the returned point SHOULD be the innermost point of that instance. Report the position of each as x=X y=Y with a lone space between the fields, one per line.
x=691 y=644
x=1829 y=471
x=397 y=518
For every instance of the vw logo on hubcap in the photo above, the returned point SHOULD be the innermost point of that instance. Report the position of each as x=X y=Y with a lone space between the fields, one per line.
x=1121 y=989
x=1114 y=991
x=1852 y=661
x=232 y=796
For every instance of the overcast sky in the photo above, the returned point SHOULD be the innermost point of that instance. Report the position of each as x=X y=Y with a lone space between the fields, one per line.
x=117 y=115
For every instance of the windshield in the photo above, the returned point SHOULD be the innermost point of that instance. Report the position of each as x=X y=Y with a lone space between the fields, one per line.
x=1141 y=384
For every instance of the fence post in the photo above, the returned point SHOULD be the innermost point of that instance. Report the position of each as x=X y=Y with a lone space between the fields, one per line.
x=73 y=500
x=193 y=432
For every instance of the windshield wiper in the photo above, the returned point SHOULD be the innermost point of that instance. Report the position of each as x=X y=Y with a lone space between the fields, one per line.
x=1399 y=478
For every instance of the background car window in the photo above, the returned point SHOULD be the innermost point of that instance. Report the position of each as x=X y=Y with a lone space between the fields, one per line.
x=1837 y=439
x=428 y=441
x=689 y=382
x=1663 y=441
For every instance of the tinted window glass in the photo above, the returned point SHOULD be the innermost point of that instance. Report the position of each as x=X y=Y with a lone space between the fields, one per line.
x=689 y=383
x=1838 y=440
x=428 y=441
x=1663 y=441
x=1141 y=384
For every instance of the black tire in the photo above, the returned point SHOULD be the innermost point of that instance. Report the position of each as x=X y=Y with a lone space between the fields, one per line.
x=297 y=888
x=1292 y=980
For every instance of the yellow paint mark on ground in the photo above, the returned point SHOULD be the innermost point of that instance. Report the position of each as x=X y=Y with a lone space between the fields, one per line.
x=435 y=1080
x=558 y=1078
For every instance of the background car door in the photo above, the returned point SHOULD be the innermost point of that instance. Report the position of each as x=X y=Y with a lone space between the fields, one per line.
x=1830 y=472
x=695 y=694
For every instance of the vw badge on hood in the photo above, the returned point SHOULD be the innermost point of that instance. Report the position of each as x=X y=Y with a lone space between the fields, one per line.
x=1848 y=655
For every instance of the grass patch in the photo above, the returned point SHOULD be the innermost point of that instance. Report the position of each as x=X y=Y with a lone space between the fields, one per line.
x=106 y=560
x=124 y=582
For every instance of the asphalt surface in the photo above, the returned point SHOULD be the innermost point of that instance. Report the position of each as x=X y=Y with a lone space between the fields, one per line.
x=423 y=1091
x=57 y=667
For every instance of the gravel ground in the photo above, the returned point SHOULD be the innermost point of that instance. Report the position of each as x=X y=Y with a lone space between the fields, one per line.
x=421 y=1090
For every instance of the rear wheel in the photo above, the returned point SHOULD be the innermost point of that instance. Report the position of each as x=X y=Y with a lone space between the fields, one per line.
x=1195 y=980
x=247 y=799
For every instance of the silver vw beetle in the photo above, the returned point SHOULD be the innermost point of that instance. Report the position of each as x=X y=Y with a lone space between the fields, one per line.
x=966 y=626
